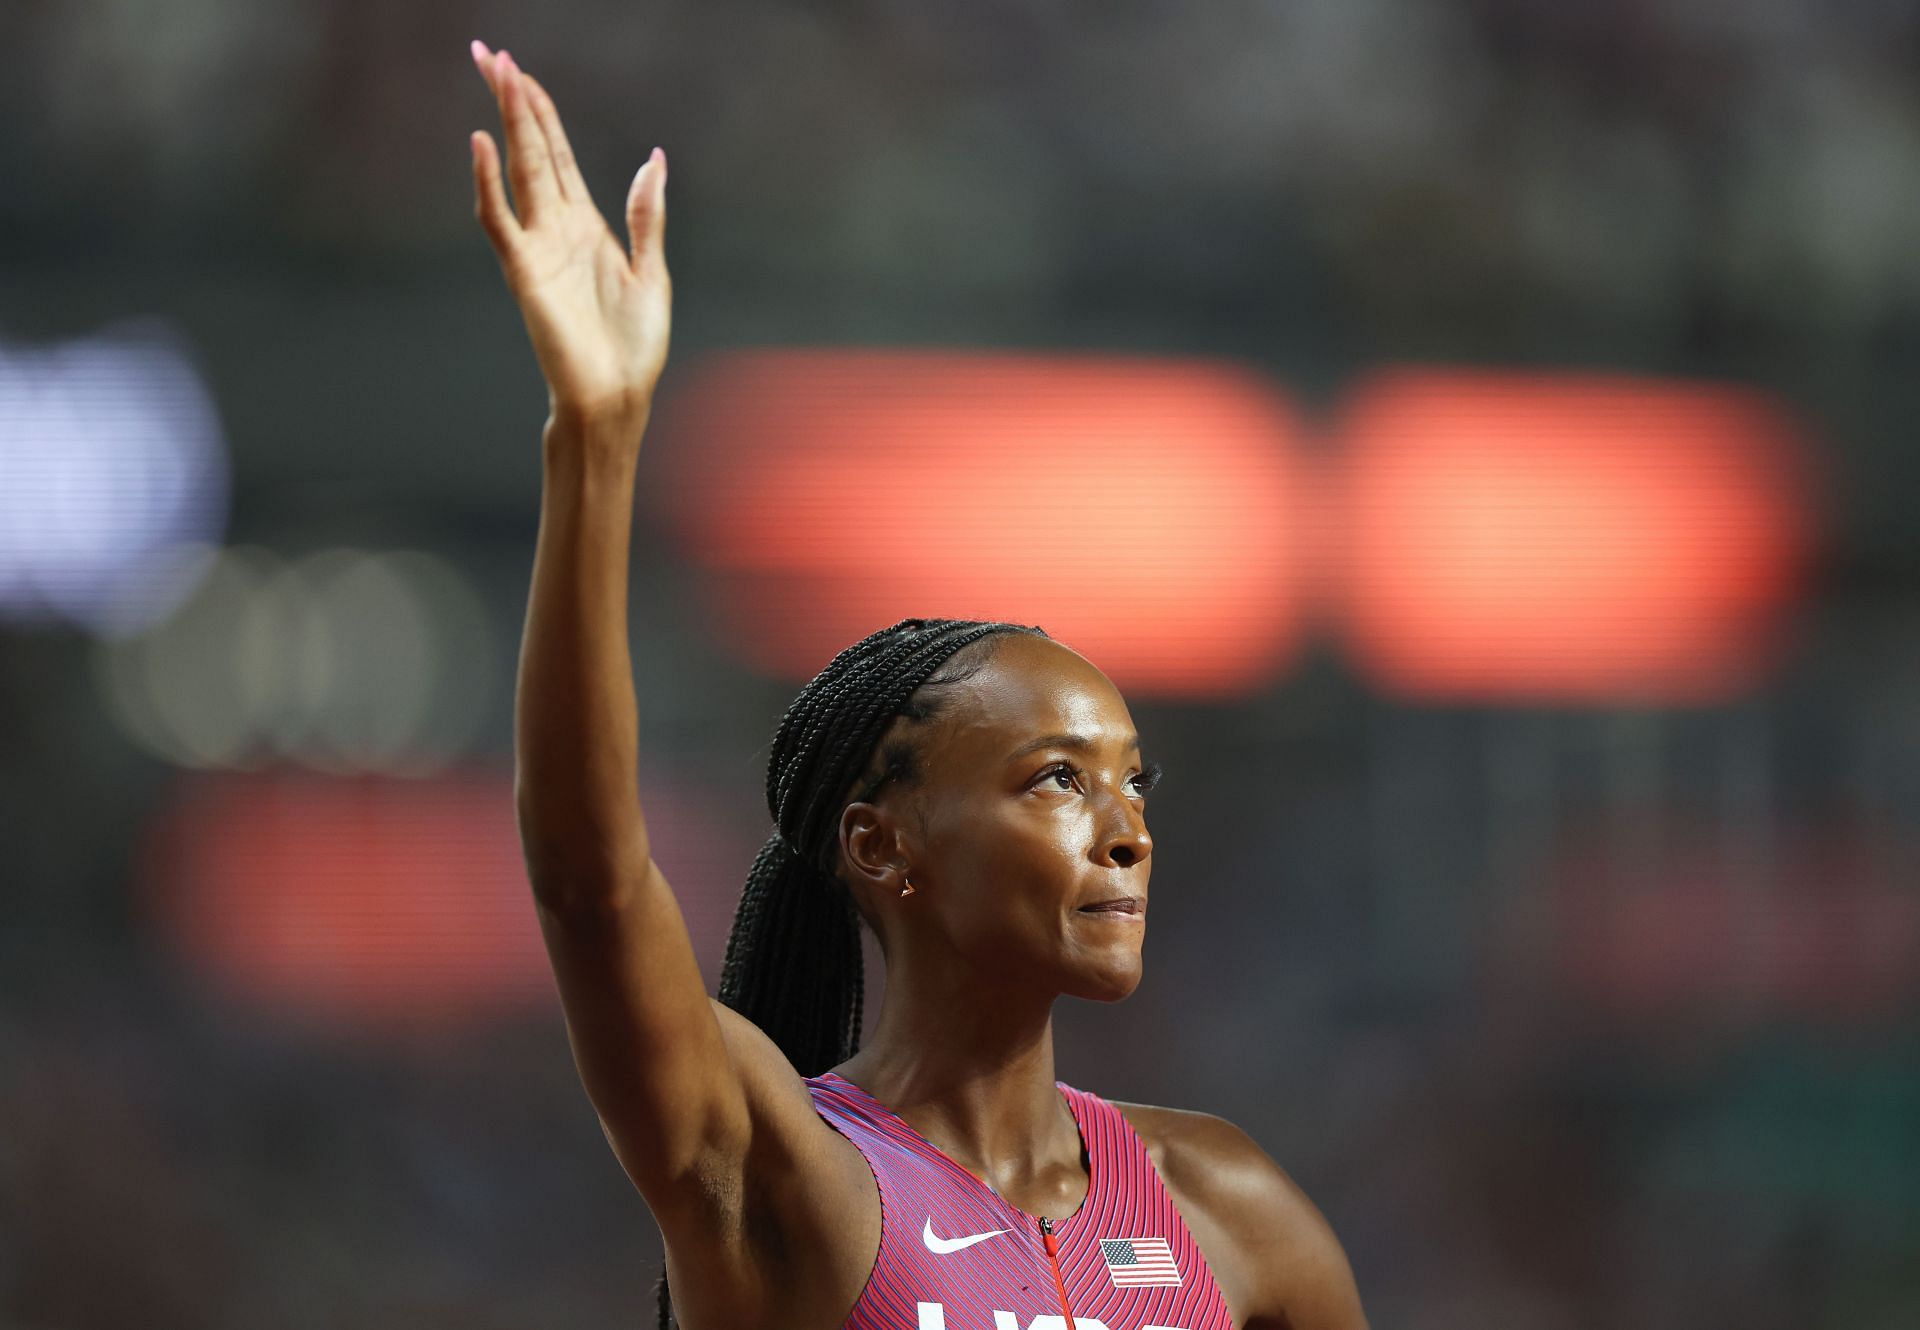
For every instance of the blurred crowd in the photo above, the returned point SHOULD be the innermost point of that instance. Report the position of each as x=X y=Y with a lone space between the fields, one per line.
x=1670 y=173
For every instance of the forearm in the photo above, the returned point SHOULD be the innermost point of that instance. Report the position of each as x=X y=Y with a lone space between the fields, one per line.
x=576 y=727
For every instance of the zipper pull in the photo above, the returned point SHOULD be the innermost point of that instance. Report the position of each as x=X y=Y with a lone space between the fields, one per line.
x=1053 y=1257
x=1047 y=1239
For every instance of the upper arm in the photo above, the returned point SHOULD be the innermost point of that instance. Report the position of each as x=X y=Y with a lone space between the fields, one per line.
x=694 y=1098
x=1286 y=1267
x=647 y=1045
x=1311 y=1284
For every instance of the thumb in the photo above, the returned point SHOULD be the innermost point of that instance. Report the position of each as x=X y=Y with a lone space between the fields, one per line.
x=647 y=211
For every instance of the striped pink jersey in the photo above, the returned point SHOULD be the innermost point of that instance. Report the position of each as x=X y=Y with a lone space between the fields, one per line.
x=955 y=1256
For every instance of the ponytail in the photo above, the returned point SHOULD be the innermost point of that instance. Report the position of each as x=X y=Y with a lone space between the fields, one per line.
x=811 y=1009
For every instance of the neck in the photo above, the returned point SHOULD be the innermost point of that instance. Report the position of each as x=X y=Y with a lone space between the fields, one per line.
x=972 y=1071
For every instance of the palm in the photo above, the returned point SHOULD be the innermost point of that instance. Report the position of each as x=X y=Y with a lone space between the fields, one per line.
x=597 y=328
x=599 y=317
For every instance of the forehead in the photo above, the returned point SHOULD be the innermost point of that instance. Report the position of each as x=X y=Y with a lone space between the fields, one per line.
x=1029 y=687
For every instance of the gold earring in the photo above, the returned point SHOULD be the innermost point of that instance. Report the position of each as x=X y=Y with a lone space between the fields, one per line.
x=908 y=889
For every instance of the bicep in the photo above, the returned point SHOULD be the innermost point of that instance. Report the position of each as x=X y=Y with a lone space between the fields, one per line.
x=645 y=1040
x=1307 y=1281
x=1314 y=1282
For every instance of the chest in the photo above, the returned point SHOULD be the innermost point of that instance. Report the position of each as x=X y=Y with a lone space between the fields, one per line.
x=955 y=1255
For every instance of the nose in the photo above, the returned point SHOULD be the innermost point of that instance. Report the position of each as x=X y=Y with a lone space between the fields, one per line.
x=1124 y=841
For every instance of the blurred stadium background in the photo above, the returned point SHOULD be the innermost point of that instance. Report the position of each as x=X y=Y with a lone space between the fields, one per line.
x=1478 y=438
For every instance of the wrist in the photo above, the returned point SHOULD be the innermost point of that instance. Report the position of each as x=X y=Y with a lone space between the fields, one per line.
x=597 y=432
x=611 y=422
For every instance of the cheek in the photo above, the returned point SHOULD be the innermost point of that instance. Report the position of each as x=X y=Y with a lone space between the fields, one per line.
x=1027 y=837
x=1014 y=861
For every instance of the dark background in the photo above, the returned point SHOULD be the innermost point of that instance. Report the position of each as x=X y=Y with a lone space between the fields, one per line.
x=1377 y=915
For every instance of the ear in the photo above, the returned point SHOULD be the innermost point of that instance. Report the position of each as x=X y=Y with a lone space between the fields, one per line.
x=873 y=847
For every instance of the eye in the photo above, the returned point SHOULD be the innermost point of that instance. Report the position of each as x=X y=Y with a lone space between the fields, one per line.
x=1066 y=774
x=1149 y=778
x=1141 y=782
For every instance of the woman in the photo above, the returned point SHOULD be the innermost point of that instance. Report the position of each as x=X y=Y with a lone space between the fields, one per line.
x=974 y=793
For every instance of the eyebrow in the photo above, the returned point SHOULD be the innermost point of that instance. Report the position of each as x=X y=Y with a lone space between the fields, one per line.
x=1080 y=743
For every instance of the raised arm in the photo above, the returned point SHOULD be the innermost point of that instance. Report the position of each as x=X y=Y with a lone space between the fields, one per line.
x=685 y=1090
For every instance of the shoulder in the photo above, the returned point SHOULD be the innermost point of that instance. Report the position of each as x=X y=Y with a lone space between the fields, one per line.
x=1273 y=1253
x=1201 y=1149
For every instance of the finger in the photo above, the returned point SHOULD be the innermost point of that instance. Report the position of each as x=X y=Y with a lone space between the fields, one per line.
x=483 y=61
x=490 y=198
x=529 y=165
x=488 y=63
x=565 y=169
x=647 y=212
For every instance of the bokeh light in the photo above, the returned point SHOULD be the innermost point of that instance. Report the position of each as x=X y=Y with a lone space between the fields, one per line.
x=368 y=901
x=341 y=660
x=1147 y=512
x=113 y=478
x=1533 y=536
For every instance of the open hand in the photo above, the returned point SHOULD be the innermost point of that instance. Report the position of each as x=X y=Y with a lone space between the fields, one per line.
x=598 y=315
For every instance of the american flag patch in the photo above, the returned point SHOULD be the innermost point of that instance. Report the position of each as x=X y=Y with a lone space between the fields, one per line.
x=1140 y=1262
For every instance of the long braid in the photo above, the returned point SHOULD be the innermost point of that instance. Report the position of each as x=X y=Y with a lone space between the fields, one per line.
x=793 y=964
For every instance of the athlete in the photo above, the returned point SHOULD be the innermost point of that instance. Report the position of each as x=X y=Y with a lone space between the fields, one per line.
x=973 y=792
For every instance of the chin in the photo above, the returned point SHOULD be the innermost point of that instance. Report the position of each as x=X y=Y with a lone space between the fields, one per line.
x=1109 y=984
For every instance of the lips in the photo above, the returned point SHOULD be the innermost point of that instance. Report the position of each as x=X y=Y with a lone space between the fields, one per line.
x=1121 y=905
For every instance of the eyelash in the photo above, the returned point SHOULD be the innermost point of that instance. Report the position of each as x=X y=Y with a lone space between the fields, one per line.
x=1144 y=780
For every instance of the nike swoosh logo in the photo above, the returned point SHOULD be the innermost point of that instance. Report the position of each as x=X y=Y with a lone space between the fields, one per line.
x=945 y=1245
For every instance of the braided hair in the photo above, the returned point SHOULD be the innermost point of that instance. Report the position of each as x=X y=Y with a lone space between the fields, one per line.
x=793 y=964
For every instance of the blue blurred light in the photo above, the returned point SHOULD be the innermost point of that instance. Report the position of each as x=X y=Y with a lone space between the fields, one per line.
x=113 y=479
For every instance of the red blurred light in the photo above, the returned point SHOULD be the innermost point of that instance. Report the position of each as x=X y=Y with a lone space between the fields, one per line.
x=1144 y=511
x=380 y=902
x=1564 y=536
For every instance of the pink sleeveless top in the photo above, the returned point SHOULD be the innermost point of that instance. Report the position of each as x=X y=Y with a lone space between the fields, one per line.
x=955 y=1256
